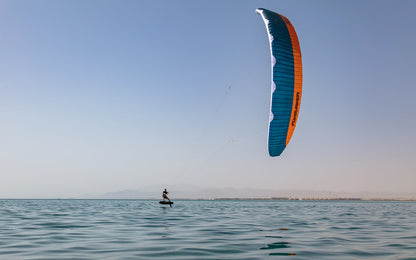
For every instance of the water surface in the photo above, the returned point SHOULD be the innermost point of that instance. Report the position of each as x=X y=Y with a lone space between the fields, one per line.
x=143 y=229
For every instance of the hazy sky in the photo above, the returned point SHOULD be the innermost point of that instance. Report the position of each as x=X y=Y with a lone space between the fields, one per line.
x=101 y=96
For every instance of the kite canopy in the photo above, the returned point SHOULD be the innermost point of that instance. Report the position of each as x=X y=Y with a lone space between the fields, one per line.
x=286 y=90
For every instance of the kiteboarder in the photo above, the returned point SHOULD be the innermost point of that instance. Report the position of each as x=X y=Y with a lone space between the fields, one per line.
x=165 y=195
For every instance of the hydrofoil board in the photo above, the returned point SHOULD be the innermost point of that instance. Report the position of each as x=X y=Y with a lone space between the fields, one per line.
x=166 y=202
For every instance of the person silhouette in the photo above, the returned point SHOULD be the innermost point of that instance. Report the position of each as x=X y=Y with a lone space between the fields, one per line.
x=165 y=195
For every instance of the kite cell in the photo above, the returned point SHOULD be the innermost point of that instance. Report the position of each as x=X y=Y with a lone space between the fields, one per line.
x=286 y=90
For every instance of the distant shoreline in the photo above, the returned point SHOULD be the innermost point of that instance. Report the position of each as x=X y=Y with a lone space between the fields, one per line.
x=235 y=199
x=316 y=199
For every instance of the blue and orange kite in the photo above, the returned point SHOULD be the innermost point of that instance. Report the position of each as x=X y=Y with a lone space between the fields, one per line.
x=286 y=79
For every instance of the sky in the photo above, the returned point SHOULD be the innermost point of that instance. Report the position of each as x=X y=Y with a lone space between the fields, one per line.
x=103 y=96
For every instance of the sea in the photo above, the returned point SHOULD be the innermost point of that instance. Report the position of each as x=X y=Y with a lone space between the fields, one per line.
x=207 y=229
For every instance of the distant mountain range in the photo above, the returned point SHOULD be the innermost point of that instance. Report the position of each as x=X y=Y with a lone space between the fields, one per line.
x=195 y=192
